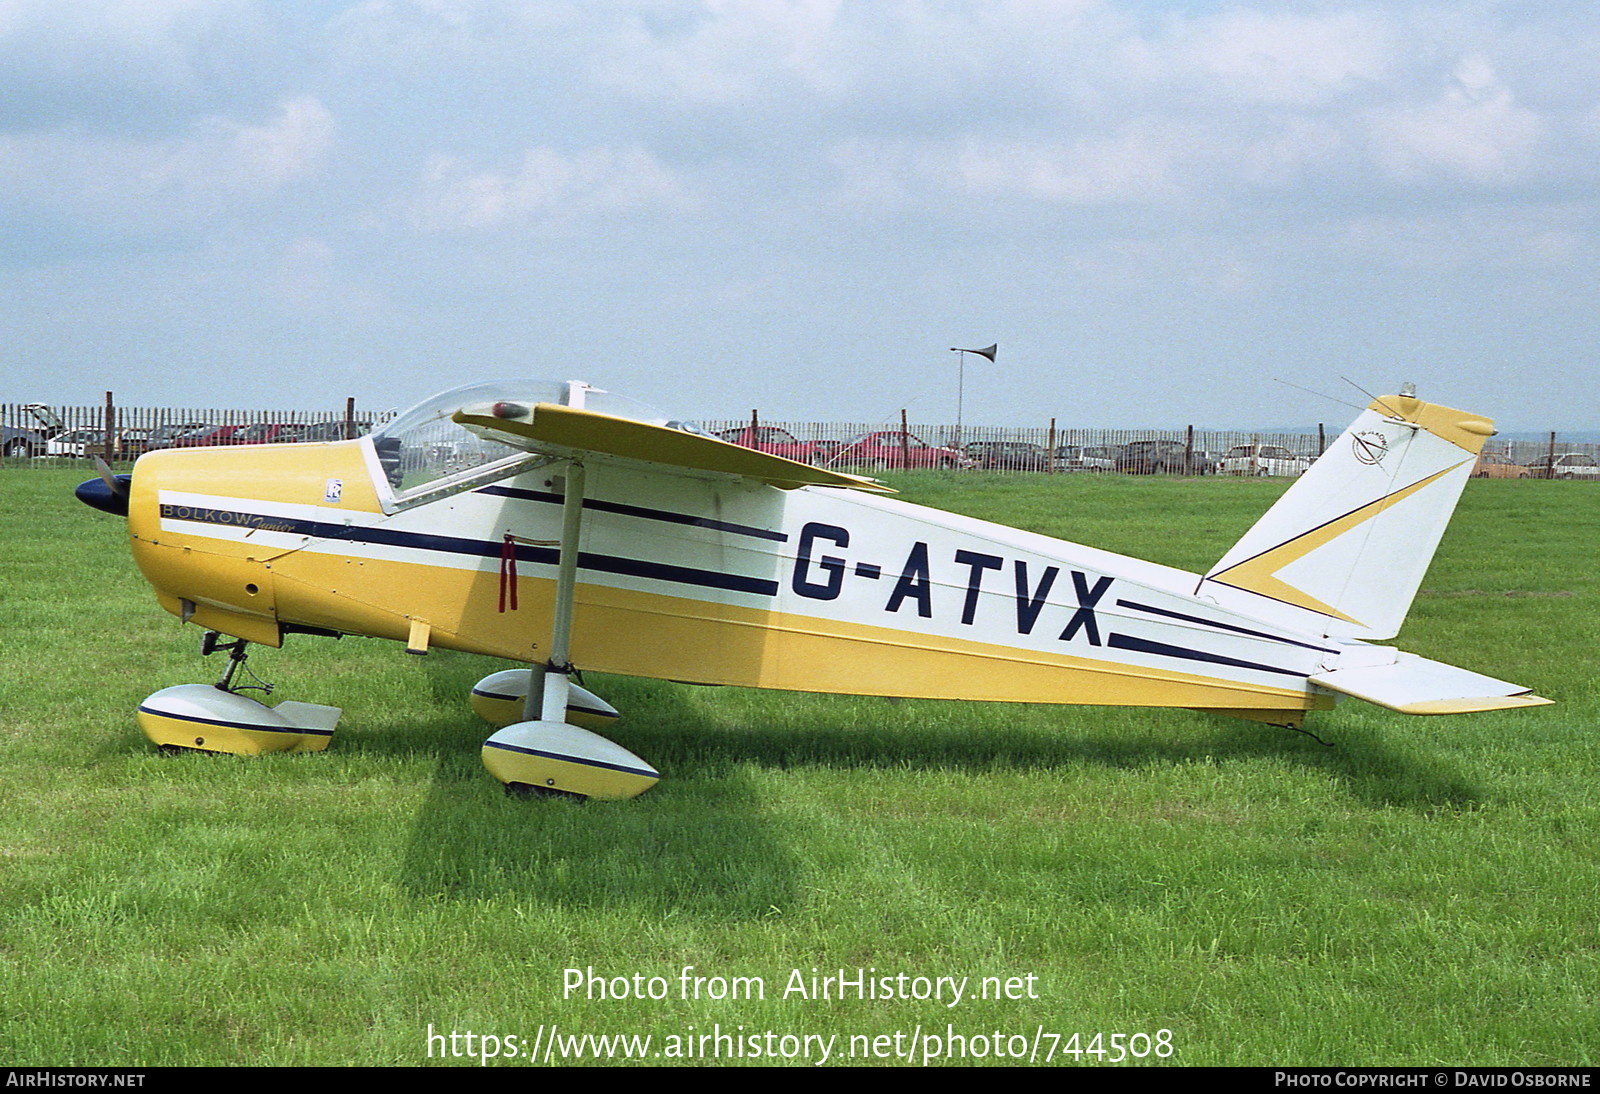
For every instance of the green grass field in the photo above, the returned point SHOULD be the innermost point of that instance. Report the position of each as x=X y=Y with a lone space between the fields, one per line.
x=1426 y=891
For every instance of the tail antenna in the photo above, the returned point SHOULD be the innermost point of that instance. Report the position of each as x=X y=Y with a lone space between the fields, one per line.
x=1407 y=391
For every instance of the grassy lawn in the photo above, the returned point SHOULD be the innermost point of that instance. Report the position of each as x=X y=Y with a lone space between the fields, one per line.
x=1425 y=891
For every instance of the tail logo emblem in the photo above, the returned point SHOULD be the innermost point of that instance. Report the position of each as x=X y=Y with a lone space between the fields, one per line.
x=1369 y=446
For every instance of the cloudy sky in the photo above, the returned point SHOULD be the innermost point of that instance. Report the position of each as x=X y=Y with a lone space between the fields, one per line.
x=1157 y=208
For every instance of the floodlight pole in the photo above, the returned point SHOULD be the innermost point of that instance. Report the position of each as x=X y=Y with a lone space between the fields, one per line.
x=961 y=379
x=961 y=384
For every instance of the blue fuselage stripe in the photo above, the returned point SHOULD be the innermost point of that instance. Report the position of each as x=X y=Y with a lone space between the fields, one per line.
x=1222 y=626
x=388 y=537
x=1161 y=649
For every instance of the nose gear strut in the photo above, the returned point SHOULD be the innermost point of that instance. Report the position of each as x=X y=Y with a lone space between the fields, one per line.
x=210 y=643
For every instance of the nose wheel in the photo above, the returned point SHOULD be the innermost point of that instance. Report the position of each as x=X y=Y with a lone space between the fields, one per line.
x=217 y=718
x=525 y=792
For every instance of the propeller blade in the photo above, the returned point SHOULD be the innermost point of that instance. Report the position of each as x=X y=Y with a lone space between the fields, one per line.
x=103 y=469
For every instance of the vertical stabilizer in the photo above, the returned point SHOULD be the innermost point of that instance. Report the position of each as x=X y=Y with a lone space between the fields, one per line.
x=1350 y=541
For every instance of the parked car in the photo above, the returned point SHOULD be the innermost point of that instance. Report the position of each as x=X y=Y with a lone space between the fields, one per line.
x=268 y=433
x=1492 y=465
x=826 y=450
x=164 y=436
x=1563 y=465
x=1006 y=455
x=884 y=450
x=334 y=431
x=778 y=442
x=205 y=436
x=18 y=443
x=1072 y=457
x=1162 y=458
x=50 y=422
x=1263 y=459
x=76 y=442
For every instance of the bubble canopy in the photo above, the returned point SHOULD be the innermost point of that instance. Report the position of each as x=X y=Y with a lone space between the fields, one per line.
x=423 y=451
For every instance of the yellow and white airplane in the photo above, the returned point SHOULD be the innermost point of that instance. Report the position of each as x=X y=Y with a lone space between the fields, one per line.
x=562 y=526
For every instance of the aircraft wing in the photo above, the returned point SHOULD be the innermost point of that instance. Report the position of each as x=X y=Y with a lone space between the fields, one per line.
x=563 y=430
x=1416 y=685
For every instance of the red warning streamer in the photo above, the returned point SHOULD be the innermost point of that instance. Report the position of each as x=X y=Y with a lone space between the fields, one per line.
x=508 y=572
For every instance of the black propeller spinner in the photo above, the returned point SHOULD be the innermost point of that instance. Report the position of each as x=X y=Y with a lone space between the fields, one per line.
x=108 y=493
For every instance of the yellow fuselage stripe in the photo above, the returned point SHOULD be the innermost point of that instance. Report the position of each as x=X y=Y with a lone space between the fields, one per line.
x=678 y=638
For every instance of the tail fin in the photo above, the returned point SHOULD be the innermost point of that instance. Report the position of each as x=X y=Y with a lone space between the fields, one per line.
x=1350 y=541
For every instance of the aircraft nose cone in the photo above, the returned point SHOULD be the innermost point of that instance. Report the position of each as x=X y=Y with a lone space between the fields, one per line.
x=100 y=494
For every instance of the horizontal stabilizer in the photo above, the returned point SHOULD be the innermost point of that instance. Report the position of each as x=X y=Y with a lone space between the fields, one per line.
x=564 y=430
x=1416 y=685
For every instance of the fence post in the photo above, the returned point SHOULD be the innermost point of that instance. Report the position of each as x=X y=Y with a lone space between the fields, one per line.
x=905 y=441
x=1188 y=450
x=1050 y=450
x=1550 y=464
x=349 y=418
x=1322 y=440
x=108 y=446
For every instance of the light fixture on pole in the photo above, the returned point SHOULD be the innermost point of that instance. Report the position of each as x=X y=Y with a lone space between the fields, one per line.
x=961 y=378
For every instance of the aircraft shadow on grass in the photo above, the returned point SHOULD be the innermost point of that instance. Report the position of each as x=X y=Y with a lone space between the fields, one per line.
x=703 y=844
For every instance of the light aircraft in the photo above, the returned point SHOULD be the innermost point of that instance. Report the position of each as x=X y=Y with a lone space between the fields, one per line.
x=565 y=527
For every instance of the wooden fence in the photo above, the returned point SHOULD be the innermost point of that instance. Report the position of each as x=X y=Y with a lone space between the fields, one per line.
x=33 y=435
x=38 y=435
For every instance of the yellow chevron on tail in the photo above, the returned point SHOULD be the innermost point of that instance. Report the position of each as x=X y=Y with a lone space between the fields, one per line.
x=1351 y=540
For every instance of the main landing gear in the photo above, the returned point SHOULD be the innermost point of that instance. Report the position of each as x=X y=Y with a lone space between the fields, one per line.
x=554 y=754
x=545 y=751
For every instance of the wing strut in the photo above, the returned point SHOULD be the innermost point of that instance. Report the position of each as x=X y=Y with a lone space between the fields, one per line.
x=544 y=752
x=547 y=683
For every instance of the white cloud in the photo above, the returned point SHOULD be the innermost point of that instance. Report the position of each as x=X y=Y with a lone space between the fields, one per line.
x=292 y=145
x=1151 y=160
x=164 y=182
x=1474 y=130
x=311 y=283
x=729 y=51
x=130 y=65
x=885 y=63
x=1136 y=164
x=827 y=161
x=1509 y=240
x=547 y=188
x=1272 y=57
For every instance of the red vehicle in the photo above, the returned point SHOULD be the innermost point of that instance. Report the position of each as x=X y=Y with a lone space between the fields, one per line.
x=269 y=433
x=891 y=449
x=205 y=436
x=779 y=442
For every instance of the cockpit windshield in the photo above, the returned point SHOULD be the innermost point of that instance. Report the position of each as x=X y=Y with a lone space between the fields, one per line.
x=424 y=453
